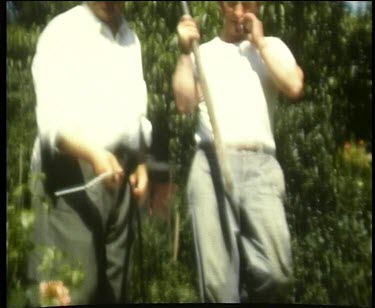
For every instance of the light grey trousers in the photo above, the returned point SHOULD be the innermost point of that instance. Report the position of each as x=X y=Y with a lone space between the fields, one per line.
x=93 y=228
x=243 y=251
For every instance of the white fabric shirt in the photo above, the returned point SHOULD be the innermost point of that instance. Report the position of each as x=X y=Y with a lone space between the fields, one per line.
x=88 y=81
x=242 y=92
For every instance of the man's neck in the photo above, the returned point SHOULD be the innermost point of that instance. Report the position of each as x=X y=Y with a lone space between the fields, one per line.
x=113 y=21
x=114 y=26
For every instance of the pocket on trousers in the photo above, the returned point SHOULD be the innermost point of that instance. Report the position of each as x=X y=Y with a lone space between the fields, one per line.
x=276 y=175
x=269 y=177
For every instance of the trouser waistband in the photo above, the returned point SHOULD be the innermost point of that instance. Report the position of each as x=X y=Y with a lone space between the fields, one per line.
x=256 y=148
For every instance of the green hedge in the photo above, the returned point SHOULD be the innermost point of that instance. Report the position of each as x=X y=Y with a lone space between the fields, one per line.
x=328 y=173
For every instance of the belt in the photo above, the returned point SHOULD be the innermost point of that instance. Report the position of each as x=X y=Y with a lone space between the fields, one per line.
x=260 y=148
x=256 y=148
x=250 y=148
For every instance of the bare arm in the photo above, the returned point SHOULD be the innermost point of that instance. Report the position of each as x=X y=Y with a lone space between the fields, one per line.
x=185 y=87
x=74 y=145
x=289 y=80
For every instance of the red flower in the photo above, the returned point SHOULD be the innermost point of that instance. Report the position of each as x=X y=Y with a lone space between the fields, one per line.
x=54 y=290
x=347 y=146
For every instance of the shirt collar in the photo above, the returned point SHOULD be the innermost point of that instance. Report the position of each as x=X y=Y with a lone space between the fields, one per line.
x=103 y=28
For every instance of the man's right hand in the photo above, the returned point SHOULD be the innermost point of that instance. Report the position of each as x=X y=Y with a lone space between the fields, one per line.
x=187 y=31
x=104 y=161
x=73 y=143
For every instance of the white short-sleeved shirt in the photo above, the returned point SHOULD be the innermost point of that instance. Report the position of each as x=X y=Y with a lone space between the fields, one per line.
x=242 y=92
x=89 y=81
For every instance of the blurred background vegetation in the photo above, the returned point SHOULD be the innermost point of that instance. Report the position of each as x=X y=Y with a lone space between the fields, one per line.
x=324 y=146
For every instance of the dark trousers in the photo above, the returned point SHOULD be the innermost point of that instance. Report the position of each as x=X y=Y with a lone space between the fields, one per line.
x=93 y=228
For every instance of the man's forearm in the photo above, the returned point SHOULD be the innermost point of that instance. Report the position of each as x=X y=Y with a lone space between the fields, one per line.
x=101 y=160
x=73 y=144
x=184 y=85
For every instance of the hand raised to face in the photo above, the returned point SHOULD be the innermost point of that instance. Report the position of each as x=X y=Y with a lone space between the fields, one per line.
x=254 y=29
x=239 y=17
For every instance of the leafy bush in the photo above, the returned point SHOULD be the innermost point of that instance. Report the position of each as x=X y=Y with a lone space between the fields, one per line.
x=19 y=224
x=53 y=268
x=329 y=185
x=159 y=277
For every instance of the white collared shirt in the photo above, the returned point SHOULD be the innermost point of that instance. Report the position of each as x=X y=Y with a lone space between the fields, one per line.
x=242 y=92
x=89 y=81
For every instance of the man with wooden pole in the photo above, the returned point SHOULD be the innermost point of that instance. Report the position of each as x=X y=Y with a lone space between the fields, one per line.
x=236 y=186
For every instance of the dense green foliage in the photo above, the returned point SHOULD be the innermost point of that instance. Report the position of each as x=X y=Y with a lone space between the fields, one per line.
x=327 y=167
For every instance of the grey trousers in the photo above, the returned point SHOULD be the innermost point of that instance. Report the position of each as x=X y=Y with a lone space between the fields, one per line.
x=243 y=251
x=92 y=227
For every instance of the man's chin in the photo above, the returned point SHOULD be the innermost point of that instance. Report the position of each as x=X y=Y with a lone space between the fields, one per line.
x=238 y=36
x=238 y=29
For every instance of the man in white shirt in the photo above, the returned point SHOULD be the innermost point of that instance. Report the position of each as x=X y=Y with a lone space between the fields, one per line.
x=91 y=103
x=243 y=250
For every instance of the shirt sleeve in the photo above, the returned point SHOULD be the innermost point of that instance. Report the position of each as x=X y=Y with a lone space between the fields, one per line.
x=143 y=90
x=145 y=127
x=54 y=84
x=282 y=51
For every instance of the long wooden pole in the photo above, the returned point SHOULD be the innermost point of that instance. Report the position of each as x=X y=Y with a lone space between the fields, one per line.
x=20 y=175
x=228 y=183
x=176 y=235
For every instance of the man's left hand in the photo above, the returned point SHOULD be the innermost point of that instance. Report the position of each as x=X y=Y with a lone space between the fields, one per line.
x=255 y=29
